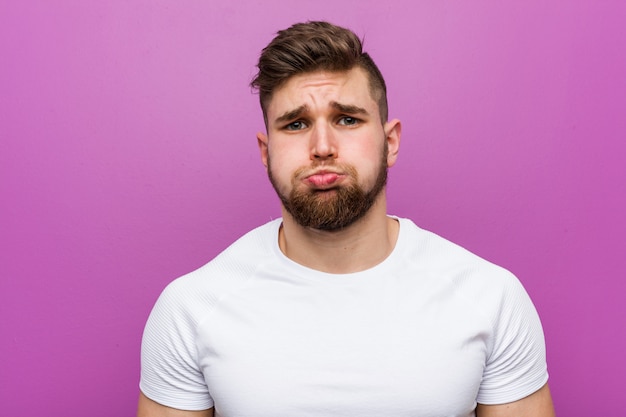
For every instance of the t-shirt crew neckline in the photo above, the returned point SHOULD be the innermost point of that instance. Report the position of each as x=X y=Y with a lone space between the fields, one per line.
x=310 y=273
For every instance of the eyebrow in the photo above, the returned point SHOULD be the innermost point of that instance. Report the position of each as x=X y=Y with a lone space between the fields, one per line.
x=348 y=108
x=343 y=108
x=292 y=114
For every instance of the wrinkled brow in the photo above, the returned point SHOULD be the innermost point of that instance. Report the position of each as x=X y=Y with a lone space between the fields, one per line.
x=348 y=108
x=292 y=114
x=343 y=108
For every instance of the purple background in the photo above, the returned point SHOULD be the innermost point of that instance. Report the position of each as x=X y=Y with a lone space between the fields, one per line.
x=128 y=157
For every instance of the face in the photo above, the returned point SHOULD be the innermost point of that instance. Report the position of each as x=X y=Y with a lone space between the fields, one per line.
x=326 y=149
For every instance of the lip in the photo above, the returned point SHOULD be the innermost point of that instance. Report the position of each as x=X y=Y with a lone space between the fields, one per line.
x=324 y=179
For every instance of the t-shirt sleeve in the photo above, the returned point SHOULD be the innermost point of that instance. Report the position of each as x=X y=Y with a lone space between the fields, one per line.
x=170 y=371
x=516 y=366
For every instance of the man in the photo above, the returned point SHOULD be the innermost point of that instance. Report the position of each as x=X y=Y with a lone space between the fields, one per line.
x=338 y=309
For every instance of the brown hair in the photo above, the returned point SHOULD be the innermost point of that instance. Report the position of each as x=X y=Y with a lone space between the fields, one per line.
x=314 y=46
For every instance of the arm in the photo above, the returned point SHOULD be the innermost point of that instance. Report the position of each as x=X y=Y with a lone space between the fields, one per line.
x=538 y=404
x=149 y=408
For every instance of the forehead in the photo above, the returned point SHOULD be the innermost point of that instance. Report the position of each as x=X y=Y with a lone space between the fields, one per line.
x=320 y=88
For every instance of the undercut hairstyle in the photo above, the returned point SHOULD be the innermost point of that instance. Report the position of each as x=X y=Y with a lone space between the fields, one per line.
x=315 y=46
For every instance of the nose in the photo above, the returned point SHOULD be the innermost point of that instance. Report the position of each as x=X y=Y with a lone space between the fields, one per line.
x=323 y=144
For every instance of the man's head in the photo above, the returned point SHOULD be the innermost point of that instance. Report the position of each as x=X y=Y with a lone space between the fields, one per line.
x=315 y=46
x=328 y=143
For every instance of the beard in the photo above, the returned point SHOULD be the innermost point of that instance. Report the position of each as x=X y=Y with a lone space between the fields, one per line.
x=335 y=208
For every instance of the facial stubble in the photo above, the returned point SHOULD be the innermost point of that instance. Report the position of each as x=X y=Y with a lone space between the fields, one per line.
x=335 y=208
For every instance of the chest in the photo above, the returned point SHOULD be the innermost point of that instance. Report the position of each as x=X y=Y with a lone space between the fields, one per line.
x=343 y=352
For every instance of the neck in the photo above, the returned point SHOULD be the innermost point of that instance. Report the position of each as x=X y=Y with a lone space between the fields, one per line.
x=360 y=246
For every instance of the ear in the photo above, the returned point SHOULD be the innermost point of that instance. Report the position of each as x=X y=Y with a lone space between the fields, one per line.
x=262 y=141
x=393 y=131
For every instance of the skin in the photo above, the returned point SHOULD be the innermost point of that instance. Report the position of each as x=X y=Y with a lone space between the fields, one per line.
x=317 y=123
x=538 y=404
x=320 y=121
x=149 y=408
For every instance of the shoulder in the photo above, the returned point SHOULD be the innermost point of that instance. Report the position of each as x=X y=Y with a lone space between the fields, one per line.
x=228 y=271
x=459 y=273
x=171 y=371
x=448 y=258
x=486 y=293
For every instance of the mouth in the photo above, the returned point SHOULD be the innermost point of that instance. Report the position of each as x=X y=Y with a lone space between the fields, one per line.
x=324 y=179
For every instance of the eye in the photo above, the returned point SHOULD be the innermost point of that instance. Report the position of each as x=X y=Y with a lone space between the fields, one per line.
x=297 y=125
x=348 y=121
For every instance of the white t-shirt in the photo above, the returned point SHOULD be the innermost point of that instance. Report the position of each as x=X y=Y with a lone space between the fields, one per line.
x=429 y=331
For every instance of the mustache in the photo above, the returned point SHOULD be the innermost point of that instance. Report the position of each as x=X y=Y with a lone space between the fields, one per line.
x=317 y=169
